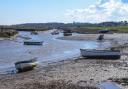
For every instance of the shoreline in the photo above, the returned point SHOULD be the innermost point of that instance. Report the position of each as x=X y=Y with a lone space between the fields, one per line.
x=91 y=71
x=76 y=70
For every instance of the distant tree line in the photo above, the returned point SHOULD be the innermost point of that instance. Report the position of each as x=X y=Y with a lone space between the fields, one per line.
x=54 y=25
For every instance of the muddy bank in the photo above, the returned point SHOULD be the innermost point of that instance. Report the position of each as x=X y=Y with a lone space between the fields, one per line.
x=89 y=71
x=121 y=37
x=57 y=84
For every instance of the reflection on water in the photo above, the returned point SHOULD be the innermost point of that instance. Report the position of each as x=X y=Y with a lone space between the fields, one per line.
x=52 y=50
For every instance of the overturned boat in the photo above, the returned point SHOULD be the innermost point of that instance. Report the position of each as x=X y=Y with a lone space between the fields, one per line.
x=100 y=54
x=23 y=66
x=33 y=42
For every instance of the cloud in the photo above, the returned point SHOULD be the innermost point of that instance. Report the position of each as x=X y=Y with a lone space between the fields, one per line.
x=104 y=10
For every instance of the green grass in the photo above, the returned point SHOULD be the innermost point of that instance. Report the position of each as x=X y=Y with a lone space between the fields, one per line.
x=119 y=28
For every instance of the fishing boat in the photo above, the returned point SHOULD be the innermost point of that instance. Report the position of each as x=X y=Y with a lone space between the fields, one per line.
x=33 y=43
x=100 y=54
x=23 y=66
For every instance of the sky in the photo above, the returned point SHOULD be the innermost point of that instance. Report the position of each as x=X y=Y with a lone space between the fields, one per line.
x=42 y=11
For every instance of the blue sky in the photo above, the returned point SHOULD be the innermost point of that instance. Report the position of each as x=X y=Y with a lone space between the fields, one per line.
x=41 y=11
x=37 y=11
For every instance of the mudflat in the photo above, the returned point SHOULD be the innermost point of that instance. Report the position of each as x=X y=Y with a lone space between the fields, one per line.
x=77 y=70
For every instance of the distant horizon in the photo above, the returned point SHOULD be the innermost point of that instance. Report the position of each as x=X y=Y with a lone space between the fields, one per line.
x=58 y=22
x=64 y=11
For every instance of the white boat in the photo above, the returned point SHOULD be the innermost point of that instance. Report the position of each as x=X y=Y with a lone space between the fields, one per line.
x=105 y=54
x=23 y=66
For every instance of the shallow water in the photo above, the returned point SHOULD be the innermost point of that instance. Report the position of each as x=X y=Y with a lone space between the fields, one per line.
x=52 y=50
x=109 y=85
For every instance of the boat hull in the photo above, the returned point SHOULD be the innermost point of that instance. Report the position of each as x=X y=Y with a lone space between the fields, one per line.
x=24 y=66
x=101 y=54
x=33 y=43
x=67 y=34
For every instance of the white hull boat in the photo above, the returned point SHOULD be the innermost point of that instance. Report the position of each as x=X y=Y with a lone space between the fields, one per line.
x=24 y=66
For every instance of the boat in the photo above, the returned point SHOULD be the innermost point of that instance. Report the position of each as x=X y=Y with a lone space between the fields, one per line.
x=100 y=54
x=103 y=31
x=23 y=66
x=67 y=33
x=55 y=33
x=33 y=43
x=34 y=33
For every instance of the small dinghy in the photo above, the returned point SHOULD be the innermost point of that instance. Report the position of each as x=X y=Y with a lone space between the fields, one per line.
x=101 y=54
x=33 y=43
x=103 y=31
x=55 y=33
x=67 y=33
x=34 y=33
x=23 y=66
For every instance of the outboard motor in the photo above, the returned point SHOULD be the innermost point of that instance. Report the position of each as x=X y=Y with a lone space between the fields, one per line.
x=101 y=37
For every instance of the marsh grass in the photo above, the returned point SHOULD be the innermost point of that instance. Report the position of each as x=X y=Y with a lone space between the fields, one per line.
x=8 y=33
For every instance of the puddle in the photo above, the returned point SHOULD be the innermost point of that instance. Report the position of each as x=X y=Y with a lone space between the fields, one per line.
x=109 y=85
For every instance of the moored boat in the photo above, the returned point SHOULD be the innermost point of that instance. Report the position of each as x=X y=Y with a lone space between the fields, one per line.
x=67 y=34
x=55 y=32
x=104 y=31
x=23 y=66
x=101 y=54
x=34 y=32
x=33 y=43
